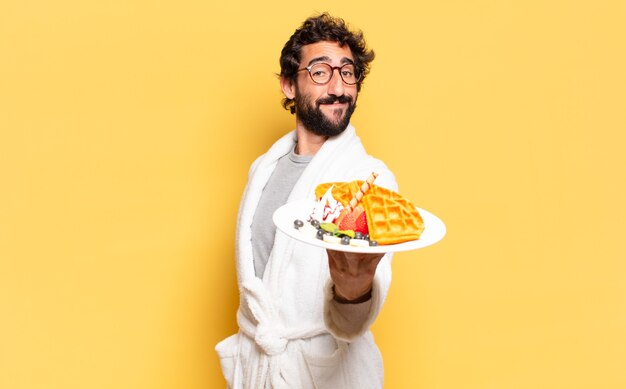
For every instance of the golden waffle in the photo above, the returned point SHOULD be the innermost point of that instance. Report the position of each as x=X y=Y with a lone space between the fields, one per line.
x=391 y=218
x=342 y=191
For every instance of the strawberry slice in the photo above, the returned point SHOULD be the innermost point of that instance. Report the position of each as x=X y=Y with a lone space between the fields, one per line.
x=360 y=224
x=355 y=221
x=347 y=222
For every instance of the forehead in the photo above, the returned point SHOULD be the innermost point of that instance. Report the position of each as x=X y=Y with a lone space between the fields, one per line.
x=325 y=51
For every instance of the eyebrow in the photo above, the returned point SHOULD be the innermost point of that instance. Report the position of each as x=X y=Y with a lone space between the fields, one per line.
x=344 y=60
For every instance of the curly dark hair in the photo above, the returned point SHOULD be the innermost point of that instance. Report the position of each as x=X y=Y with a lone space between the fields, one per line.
x=323 y=27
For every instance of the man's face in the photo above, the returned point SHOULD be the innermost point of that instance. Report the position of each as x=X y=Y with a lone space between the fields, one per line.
x=324 y=109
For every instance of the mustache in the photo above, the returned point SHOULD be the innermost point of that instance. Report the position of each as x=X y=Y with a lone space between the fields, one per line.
x=331 y=99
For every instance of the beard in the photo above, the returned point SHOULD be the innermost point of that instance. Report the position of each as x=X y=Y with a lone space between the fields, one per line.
x=314 y=120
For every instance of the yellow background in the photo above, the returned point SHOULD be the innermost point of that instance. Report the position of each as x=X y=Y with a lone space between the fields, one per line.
x=127 y=129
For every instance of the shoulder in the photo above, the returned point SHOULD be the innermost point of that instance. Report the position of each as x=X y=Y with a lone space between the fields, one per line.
x=360 y=164
x=360 y=168
x=386 y=178
x=254 y=165
x=281 y=147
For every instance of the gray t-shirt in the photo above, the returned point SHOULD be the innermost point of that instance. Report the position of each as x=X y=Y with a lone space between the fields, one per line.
x=348 y=317
x=287 y=172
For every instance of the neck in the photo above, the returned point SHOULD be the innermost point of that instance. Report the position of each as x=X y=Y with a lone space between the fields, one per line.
x=308 y=143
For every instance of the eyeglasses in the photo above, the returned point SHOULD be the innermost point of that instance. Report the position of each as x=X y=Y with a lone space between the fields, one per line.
x=321 y=73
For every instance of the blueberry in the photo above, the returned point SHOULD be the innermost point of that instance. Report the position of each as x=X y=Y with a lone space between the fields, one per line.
x=358 y=235
x=315 y=223
x=373 y=243
x=320 y=234
x=345 y=240
x=298 y=223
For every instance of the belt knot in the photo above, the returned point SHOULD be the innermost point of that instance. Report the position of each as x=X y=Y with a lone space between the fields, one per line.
x=269 y=339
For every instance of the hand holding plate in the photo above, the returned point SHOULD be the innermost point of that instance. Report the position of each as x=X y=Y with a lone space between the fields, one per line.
x=352 y=273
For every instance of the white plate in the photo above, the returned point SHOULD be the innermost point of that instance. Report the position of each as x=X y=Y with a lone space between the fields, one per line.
x=434 y=230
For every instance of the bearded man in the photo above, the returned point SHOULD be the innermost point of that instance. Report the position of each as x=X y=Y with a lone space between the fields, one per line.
x=305 y=312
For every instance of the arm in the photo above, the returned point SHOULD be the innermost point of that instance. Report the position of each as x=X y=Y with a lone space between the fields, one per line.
x=352 y=274
x=357 y=276
x=355 y=292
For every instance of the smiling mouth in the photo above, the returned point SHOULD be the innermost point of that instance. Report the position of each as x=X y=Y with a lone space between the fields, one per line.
x=336 y=108
x=334 y=103
x=335 y=100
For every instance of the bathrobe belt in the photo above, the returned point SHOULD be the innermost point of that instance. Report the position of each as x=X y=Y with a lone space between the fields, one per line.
x=269 y=334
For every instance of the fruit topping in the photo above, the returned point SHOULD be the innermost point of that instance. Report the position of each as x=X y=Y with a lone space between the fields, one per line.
x=332 y=239
x=329 y=227
x=360 y=223
x=359 y=242
x=347 y=222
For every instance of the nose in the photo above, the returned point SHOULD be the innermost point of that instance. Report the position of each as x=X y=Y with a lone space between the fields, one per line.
x=335 y=85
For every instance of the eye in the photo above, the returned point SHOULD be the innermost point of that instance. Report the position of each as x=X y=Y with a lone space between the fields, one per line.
x=320 y=71
x=348 y=72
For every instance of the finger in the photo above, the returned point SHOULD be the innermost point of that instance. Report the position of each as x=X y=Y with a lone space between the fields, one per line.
x=364 y=261
x=337 y=262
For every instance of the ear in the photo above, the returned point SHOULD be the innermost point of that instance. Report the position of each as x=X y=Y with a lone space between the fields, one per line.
x=288 y=86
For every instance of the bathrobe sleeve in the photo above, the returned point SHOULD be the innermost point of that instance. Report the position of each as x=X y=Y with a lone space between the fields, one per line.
x=349 y=321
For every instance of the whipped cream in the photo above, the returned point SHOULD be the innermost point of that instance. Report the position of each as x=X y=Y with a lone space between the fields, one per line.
x=327 y=209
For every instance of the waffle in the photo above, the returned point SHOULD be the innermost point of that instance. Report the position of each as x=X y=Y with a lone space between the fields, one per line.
x=391 y=218
x=342 y=191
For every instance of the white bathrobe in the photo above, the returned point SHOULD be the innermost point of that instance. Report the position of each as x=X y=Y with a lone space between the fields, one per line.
x=289 y=333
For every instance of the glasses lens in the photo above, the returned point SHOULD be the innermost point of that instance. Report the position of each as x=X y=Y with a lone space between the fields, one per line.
x=321 y=73
x=348 y=74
